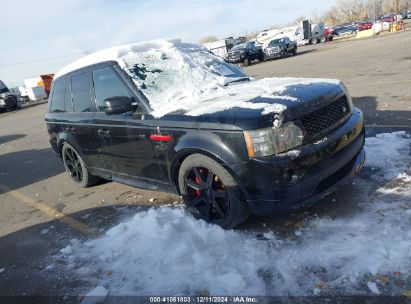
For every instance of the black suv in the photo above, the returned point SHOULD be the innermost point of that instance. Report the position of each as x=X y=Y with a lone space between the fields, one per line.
x=8 y=100
x=245 y=53
x=173 y=117
x=281 y=47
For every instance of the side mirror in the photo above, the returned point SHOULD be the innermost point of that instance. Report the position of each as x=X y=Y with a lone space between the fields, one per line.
x=118 y=105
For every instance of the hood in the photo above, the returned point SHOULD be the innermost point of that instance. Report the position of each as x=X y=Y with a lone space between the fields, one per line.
x=253 y=105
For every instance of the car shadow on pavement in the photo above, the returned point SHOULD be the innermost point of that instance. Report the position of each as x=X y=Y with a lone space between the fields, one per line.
x=8 y=138
x=305 y=51
x=26 y=255
x=22 y=168
x=374 y=115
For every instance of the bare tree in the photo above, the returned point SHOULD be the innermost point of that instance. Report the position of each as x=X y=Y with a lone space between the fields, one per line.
x=208 y=39
x=316 y=16
x=350 y=10
x=298 y=20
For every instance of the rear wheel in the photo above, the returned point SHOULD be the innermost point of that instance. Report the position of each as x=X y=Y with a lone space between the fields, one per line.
x=76 y=167
x=246 y=62
x=210 y=192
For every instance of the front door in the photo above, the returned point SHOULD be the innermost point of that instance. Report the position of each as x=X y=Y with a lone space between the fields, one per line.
x=124 y=143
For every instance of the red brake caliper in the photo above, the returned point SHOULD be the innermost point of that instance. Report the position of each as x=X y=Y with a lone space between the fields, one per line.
x=198 y=183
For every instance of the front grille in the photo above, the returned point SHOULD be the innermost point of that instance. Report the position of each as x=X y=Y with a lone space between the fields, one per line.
x=326 y=117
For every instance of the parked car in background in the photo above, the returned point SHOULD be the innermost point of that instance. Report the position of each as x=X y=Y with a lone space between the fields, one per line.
x=228 y=144
x=280 y=48
x=8 y=100
x=245 y=53
x=328 y=33
x=366 y=25
x=388 y=18
x=345 y=30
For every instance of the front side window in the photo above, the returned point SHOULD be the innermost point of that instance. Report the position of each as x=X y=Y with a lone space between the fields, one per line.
x=80 y=91
x=59 y=91
x=107 y=85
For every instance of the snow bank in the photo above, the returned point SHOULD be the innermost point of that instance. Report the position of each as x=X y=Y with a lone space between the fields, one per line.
x=181 y=76
x=167 y=252
x=95 y=296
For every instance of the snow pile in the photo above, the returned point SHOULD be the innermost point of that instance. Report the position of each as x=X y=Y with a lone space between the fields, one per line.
x=167 y=252
x=182 y=76
x=95 y=296
x=390 y=151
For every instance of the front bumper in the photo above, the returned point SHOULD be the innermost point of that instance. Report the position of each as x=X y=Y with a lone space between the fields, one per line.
x=288 y=180
x=273 y=55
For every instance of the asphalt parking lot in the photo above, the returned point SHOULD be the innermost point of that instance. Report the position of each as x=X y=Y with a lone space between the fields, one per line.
x=41 y=209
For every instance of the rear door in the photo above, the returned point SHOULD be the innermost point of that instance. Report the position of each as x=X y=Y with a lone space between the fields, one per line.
x=124 y=143
x=79 y=114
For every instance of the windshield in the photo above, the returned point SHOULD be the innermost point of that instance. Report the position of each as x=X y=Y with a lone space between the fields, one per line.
x=3 y=88
x=239 y=47
x=171 y=73
x=277 y=41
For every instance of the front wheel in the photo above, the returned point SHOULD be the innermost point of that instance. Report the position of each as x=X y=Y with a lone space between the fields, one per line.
x=246 y=62
x=210 y=192
x=76 y=167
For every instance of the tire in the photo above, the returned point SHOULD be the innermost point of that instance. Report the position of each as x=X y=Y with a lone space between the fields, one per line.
x=284 y=54
x=323 y=40
x=246 y=62
x=211 y=193
x=295 y=51
x=76 y=168
x=314 y=41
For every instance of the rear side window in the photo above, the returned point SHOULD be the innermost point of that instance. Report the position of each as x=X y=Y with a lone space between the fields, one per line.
x=80 y=91
x=106 y=85
x=59 y=91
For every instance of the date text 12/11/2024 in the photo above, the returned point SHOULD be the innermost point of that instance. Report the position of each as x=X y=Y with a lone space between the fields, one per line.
x=203 y=299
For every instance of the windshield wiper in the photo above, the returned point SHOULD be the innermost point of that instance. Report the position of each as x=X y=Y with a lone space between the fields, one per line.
x=238 y=80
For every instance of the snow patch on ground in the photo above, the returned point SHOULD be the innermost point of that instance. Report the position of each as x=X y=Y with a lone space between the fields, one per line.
x=373 y=287
x=95 y=296
x=165 y=251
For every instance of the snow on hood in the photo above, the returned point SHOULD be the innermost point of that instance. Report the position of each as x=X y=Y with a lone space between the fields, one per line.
x=182 y=76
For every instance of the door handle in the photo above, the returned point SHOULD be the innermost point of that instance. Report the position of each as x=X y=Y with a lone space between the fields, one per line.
x=104 y=132
x=70 y=129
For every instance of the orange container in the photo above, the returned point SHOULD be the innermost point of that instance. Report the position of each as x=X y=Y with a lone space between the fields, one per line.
x=47 y=79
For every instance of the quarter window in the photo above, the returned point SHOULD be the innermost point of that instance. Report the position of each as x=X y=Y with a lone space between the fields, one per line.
x=106 y=85
x=59 y=90
x=80 y=91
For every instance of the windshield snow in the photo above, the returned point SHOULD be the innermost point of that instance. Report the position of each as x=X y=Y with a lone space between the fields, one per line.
x=178 y=72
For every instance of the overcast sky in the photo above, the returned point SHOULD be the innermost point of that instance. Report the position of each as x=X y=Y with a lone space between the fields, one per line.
x=62 y=31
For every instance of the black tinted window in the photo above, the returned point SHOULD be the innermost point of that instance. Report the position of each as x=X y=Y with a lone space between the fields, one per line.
x=59 y=90
x=106 y=85
x=80 y=91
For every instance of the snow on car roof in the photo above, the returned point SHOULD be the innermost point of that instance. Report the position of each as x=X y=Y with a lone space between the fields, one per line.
x=175 y=75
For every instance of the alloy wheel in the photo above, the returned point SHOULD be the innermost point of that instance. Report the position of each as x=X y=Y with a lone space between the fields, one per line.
x=73 y=164
x=207 y=194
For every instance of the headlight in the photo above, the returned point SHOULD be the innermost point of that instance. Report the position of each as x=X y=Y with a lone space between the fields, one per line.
x=270 y=141
x=2 y=102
